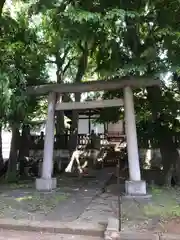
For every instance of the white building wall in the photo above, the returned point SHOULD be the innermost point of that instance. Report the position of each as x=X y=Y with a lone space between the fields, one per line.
x=6 y=143
x=98 y=128
x=115 y=128
x=83 y=127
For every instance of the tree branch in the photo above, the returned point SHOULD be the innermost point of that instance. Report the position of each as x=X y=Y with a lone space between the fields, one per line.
x=65 y=53
x=60 y=60
x=81 y=46
x=51 y=61
x=67 y=65
x=2 y=2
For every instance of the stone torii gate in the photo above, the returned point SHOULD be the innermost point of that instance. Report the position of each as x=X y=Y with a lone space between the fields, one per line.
x=134 y=186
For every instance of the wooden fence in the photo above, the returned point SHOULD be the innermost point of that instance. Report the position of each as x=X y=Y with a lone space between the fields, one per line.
x=62 y=141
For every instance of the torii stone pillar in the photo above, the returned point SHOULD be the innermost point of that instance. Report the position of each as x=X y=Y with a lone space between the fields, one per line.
x=46 y=182
x=134 y=186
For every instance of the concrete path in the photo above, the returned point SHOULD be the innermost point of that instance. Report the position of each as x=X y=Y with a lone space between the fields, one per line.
x=22 y=235
x=72 y=208
x=99 y=210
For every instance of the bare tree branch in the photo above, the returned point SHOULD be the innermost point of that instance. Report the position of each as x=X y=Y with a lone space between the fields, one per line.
x=66 y=53
x=68 y=65
x=50 y=61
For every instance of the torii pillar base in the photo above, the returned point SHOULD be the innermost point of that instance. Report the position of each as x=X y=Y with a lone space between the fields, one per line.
x=135 y=188
x=46 y=184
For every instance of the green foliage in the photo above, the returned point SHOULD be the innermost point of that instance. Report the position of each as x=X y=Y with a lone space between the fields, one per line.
x=100 y=38
x=22 y=64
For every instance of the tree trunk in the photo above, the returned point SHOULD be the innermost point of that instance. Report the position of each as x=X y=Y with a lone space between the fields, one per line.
x=82 y=66
x=60 y=126
x=74 y=125
x=12 y=166
x=2 y=2
x=60 y=130
x=75 y=113
x=169 y=152
x=24 y=148
x=1 y=154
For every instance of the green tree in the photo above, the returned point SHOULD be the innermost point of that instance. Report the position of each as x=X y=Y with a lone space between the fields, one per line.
x=70 y=43
x=22 y=64
x=130 y=38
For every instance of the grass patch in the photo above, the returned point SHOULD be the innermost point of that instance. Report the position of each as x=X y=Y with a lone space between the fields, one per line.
x=165 y=202
x=39 y=202
x=30 y=203
x=17 y=185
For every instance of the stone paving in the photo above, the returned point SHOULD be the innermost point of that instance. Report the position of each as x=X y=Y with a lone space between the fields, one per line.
x=73 y=208
x=22 y=235
x=99 y=210
x=105 y=206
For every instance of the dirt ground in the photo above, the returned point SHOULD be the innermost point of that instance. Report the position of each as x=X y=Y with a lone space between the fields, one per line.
x=160 y=213
x=21 y=200
x=76 y=200
x=66 y=203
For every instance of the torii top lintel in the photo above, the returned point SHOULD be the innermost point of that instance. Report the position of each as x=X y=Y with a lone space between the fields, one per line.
x=100 y=85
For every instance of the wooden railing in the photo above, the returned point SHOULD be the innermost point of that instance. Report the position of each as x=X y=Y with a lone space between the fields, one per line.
x=62 y=141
